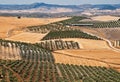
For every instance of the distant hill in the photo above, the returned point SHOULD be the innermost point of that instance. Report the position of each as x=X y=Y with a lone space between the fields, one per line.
x=34 y=5
x=40 y=5
x=54 y=10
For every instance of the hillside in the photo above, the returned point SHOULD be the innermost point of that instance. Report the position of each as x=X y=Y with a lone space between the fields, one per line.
x=8 y=24
x=54 y=10
x=105 y=18
x=38 y=5
x=58 y=50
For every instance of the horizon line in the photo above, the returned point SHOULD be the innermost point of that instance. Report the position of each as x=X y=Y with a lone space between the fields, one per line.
x=57 y=4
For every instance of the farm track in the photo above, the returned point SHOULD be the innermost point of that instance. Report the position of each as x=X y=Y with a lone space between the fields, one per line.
x=10 y=31
x=15 y=74
x=108 y=42
x=108 y=63
x=60 y=74
x=45 y=70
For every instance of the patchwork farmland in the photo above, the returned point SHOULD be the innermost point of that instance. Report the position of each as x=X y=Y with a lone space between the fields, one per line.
x=58 y=51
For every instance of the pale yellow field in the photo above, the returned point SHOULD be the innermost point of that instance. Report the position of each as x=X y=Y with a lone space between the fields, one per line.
x=91 y=52
x=27 y=37
x=105 y=18
x=98 y=54
x=8 y=23
x=89 y=43
x=88 y=57
x=69 y=59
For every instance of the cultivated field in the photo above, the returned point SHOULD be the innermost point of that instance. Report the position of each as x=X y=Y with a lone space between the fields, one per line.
x=108 y=33
x=27 y=37
x=9 y=23
x=59 y=52
x=89 y=43
x=91 y=57
x=91 y=52
x=105 y=18
x=76 y=60
x=9 y=53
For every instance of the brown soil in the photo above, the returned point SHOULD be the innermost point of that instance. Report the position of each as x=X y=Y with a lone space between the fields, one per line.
x=9 y=23
x=108 y=33
x=105 y=18
x=101 y=57
x=27 y=37
x=89 y=43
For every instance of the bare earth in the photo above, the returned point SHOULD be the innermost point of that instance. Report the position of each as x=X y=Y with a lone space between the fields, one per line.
x=106 y=58
x=105 y=18
x=108 y=33
x=27 y=37
x=8 y=23
x=70 y=58
x=92 y=52
x=89 y=43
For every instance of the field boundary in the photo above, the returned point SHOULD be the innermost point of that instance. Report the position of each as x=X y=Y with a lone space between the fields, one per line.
x=108 y=63
x=108 y=42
